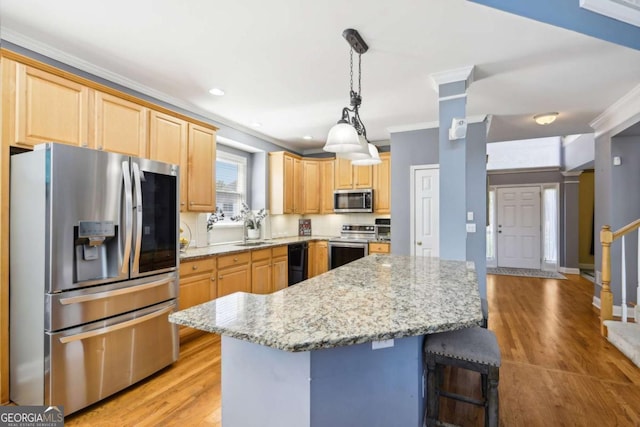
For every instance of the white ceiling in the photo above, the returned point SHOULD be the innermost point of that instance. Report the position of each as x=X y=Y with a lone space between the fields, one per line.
x=284 y=63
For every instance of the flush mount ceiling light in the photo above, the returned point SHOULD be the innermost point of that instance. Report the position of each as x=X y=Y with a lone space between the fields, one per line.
x=216 y=91
x=545 y=119
x=348 y=138
x=307 y=137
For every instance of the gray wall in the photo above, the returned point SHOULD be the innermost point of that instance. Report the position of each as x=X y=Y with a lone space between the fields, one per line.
x=477 y=199
x=579 y=154
x=419 y=147
x=570 y=252
x=259 y=181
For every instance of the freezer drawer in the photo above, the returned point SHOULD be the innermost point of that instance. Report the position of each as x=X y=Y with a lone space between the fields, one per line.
x=89 y=363
x=68 y=309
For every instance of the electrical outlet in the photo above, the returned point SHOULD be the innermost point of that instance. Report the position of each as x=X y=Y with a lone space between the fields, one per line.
x=377 y=345
x=471 y=228
x=469 y=216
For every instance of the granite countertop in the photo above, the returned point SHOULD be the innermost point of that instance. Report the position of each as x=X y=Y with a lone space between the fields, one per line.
x=230 y=248
x=374 y=298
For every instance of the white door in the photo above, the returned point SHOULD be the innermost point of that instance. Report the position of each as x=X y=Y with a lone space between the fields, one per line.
x=426 y=211
x=519 y=227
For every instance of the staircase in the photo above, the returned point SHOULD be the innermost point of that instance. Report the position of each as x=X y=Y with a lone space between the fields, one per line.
x=626 y=336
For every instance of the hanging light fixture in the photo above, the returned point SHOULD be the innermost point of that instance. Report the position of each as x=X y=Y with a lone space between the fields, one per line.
x=373 y=159
x=348 y=138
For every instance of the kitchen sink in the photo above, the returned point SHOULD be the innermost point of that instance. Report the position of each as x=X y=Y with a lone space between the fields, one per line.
x=251 y=244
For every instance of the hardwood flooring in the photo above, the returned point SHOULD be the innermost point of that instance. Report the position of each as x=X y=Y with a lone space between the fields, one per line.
x=556 y=369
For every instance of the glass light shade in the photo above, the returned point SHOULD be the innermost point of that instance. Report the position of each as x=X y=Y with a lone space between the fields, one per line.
x=342 y=138
x=373 y=159
x=361 y=153
x=545 y=119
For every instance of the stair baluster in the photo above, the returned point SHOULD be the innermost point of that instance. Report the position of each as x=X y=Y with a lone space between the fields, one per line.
x=624 y=281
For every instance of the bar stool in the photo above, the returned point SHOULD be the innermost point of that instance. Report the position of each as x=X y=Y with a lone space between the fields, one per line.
x=475 y=349
x=485 y=312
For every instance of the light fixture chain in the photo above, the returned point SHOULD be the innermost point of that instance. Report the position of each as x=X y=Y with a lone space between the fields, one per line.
x=351 y=70
x=360 y=74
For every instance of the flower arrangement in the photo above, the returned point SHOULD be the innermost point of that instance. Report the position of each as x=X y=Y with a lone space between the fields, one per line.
x=214 y=217
x=251 y=220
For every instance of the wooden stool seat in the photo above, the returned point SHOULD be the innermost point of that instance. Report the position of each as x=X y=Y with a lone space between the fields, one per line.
x=475 y=349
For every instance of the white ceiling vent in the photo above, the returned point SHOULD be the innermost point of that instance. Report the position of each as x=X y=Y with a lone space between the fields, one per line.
x=623 y=10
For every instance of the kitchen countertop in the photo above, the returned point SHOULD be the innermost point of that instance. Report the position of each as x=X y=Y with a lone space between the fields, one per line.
x=230 y=248
x=375 y=298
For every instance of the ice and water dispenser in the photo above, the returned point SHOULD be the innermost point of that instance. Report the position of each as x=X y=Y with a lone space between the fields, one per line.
x=96 y=250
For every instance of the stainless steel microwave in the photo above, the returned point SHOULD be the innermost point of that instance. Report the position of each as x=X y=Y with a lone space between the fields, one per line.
x=347 y=201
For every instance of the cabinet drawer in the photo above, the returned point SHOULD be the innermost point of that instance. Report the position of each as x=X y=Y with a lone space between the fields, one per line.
x=260 y=254
x=280 y=251
x=234 y=259
x=197 y=266
x=379 y=248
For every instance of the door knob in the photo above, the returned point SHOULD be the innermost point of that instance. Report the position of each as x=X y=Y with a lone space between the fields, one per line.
x=419 y=243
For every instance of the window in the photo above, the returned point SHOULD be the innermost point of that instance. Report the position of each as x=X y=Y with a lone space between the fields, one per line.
x=492 y=260
x=231 y=183
x=550 y=226
x=524 y=154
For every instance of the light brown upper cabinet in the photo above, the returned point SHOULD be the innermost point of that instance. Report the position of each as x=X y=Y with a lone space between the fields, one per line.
x=43 y=107
x=168 y=143
x=349 y=177
x=326 y=186
x=382 y=185
x=311 y=186
x=285 y=180
x=120 y=126
x=201 y=190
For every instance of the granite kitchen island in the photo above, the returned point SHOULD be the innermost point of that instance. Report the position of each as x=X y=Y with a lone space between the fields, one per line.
x=340 y=349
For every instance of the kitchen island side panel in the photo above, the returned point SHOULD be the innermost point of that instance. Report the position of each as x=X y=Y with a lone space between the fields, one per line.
x=357 y=386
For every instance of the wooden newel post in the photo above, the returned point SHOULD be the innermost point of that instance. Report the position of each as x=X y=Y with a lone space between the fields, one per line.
x=606 y=297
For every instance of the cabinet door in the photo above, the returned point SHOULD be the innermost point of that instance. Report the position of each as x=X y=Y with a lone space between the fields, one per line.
x=261 y=280
x=379 y=248
x=120 y=126
x=298 y=186
x=288 y=184
x=343 y=174
x=311 y=265
x=196 y=289
x=280 y=271
x=234 y=279
x=322 y=258
x=168 y=143
x=201 y=191
x=48 y=108
x=326 y=186
x=362 y=177
x=311 y=186
x=382 y=185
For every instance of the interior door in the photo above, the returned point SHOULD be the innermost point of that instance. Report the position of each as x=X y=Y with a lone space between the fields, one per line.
x=426 y=212
x=519 y=227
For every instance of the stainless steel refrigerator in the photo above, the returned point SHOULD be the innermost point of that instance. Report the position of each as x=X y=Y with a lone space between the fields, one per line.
x=93 y=273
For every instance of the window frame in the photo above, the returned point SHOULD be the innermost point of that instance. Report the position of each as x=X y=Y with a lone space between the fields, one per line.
x=225 y=156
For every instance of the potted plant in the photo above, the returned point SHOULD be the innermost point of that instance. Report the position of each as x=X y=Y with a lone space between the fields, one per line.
x=214 y=217
x=251 y=220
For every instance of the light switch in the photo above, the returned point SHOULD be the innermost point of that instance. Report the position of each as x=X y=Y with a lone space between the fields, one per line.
x=617 y=161
x=469 y=216
x=471 y=228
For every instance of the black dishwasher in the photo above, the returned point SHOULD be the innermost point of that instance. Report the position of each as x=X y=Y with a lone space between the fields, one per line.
x=298 y=262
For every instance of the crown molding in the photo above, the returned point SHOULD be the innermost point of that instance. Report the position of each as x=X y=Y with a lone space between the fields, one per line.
x=571 y=173
x=76 y=62
x=618 y=10
x=618 y=113
x=433 y=125
x=463 y=74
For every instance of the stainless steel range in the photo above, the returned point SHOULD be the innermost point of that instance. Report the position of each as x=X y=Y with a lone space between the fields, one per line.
x=352 y=244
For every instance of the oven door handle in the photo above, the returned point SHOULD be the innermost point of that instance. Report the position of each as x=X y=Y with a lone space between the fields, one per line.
x=348 y=245
x=117 y=326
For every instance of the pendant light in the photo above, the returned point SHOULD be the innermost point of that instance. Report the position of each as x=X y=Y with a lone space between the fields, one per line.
x=372 y=159
x=348 y=138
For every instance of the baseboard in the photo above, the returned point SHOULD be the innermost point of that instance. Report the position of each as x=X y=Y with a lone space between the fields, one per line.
x=617 y=310
x=569 y=270
x=587 y=266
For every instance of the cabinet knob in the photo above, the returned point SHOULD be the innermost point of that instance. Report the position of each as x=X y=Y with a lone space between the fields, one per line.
x=191 y=203
x=220 y=277
x=213 y=279
x=182 y=203
x=235 y=259
x=195 y=267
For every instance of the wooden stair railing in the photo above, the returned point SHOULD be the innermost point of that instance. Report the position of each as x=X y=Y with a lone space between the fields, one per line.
x=607 y=237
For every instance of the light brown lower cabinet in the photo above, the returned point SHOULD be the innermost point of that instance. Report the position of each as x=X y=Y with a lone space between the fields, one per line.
x=379 y=248
x=269 y=270
x=234 y=273
x=197 y=286
x=318 y=258
x=280 y=267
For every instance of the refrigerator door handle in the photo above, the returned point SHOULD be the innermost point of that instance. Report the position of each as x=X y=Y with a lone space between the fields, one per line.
x=128 y=219
x=117 y=326
x=123 y=291
x=138 y=209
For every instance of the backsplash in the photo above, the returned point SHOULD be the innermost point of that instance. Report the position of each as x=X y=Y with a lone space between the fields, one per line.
x=276 y=225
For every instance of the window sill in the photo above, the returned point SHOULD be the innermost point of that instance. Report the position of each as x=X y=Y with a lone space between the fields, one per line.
x=227 y=225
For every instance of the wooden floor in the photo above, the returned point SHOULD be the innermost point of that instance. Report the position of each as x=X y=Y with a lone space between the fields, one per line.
x=556 y=369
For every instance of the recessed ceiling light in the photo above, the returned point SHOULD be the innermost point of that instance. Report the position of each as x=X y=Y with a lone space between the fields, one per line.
x=545 y=118
x=216 y=91
x=307 y=137
x=256 y=124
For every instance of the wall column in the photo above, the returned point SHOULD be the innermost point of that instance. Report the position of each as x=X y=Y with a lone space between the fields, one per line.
x=571 y=221
x=452 y=87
